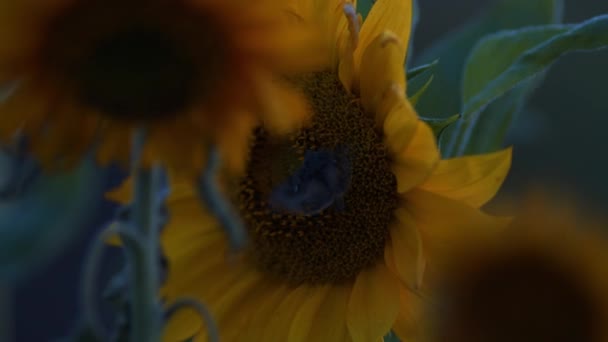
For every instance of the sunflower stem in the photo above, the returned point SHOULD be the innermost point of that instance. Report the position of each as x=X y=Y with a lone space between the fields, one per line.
x=212 y=196
x=89 y=286
x=6 y=308
x=146 y=320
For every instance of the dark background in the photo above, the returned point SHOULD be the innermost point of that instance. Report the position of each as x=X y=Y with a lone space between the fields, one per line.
x=559 y=143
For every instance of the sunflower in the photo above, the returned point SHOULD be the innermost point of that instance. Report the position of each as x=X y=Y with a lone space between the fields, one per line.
x=82 y=74
x=345 y=215
x=543 y=279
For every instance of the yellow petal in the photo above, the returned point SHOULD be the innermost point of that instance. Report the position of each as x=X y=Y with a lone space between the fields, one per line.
x=373 y=304
x=400 y=123
x=392 y=99
x=20 y=34
x=204 y=292
x=230 y=302
x=182 y=325
x=235 y=321
x=223 y=286
x=407 y=249
x=471 y=179
x=123 y=193
x=233 y=140
x=196 y=262
x=307 y=313
x=283 y=108
x=231 y=295
x=326 y=14
x=193 y=242
x=415 y=163
x=223 y=292
x=179 y=144
x=212 y=284
x=385 y=15
x=407 y=326
x=330 y=322
x=188 y=220
x=443 y=221
x=381 y=68
x=292 y=49
x=279 y=322
x=180 y=190
x=346 y=72
x=254 y=331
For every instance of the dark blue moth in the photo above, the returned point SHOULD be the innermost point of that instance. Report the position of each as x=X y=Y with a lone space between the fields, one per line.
x=320 y=182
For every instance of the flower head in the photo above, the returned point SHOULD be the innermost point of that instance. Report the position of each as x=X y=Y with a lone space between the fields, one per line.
x=190 y=72
x=345 y=215
x=543 y=279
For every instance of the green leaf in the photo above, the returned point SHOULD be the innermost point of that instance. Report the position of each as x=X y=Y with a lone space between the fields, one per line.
x=364 y=6
x=419 y=80
x=587 y=36
x=443 y=96
x=417 y=71
x=484 y=65
x=438 y=125
x=418 y=93
x=49 y=213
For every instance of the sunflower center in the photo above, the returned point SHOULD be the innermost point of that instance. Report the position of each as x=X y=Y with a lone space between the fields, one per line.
x=145 y=61
x=318 y=204
x=524 y=298
x=138 y=73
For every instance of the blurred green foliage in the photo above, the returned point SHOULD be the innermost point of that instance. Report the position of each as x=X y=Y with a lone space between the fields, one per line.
x=41 y=220
x=443 y=97
x=524 y=54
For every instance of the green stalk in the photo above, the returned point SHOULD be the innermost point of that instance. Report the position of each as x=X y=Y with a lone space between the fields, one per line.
x=146 y=320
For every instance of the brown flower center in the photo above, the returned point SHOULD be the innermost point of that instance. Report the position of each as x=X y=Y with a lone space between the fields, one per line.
x=139 y=61
x=519 y=298
x=336 y=193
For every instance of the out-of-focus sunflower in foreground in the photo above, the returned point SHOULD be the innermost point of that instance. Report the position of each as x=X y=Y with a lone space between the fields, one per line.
x=343 y=216
x=191 y=72
x=545 y=279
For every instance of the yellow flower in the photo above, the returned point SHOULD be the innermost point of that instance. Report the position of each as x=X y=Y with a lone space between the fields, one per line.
x=191 y=72
x=543 y=279
x=367 y=205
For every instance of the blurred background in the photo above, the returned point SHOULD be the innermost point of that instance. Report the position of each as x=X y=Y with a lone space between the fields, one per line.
x=559 y=141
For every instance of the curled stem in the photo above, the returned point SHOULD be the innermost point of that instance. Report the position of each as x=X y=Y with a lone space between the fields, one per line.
x=180 y=303
x=217 y=203
x=91 y=269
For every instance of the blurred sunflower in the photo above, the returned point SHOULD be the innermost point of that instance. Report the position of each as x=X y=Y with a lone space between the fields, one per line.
x=343 y=216
x=544 y=279
x=86 y=73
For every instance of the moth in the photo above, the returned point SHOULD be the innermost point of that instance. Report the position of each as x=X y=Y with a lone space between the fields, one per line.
x=320 y=182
